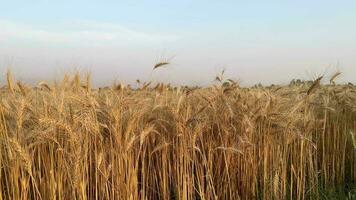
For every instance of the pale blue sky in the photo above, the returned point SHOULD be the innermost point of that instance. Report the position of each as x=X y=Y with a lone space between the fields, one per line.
x=256 y=41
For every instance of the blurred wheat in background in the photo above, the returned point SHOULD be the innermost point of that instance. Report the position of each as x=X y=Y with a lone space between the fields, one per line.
x=66 y=140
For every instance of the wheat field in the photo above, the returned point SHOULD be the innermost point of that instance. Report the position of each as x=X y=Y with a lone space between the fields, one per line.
x=69 y=140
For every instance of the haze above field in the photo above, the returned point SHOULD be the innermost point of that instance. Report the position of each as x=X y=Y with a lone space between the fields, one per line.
x=268 y=42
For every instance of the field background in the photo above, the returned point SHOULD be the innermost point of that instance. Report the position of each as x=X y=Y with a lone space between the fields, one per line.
x=67 y=140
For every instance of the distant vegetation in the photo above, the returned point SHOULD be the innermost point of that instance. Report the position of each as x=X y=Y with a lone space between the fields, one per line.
x=67 y=140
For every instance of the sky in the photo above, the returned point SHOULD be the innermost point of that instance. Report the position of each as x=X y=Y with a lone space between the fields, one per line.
x=254 y=41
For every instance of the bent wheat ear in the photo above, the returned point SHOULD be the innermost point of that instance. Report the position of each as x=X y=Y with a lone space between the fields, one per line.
x=160 y=64
x=43 y=84
x=334 y=76
x=315 y=84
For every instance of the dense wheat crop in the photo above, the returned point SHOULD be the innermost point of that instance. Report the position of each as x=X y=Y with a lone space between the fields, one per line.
x=66 y=140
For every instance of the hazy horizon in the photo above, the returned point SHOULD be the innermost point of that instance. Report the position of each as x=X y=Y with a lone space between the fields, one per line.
x=256 y=42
